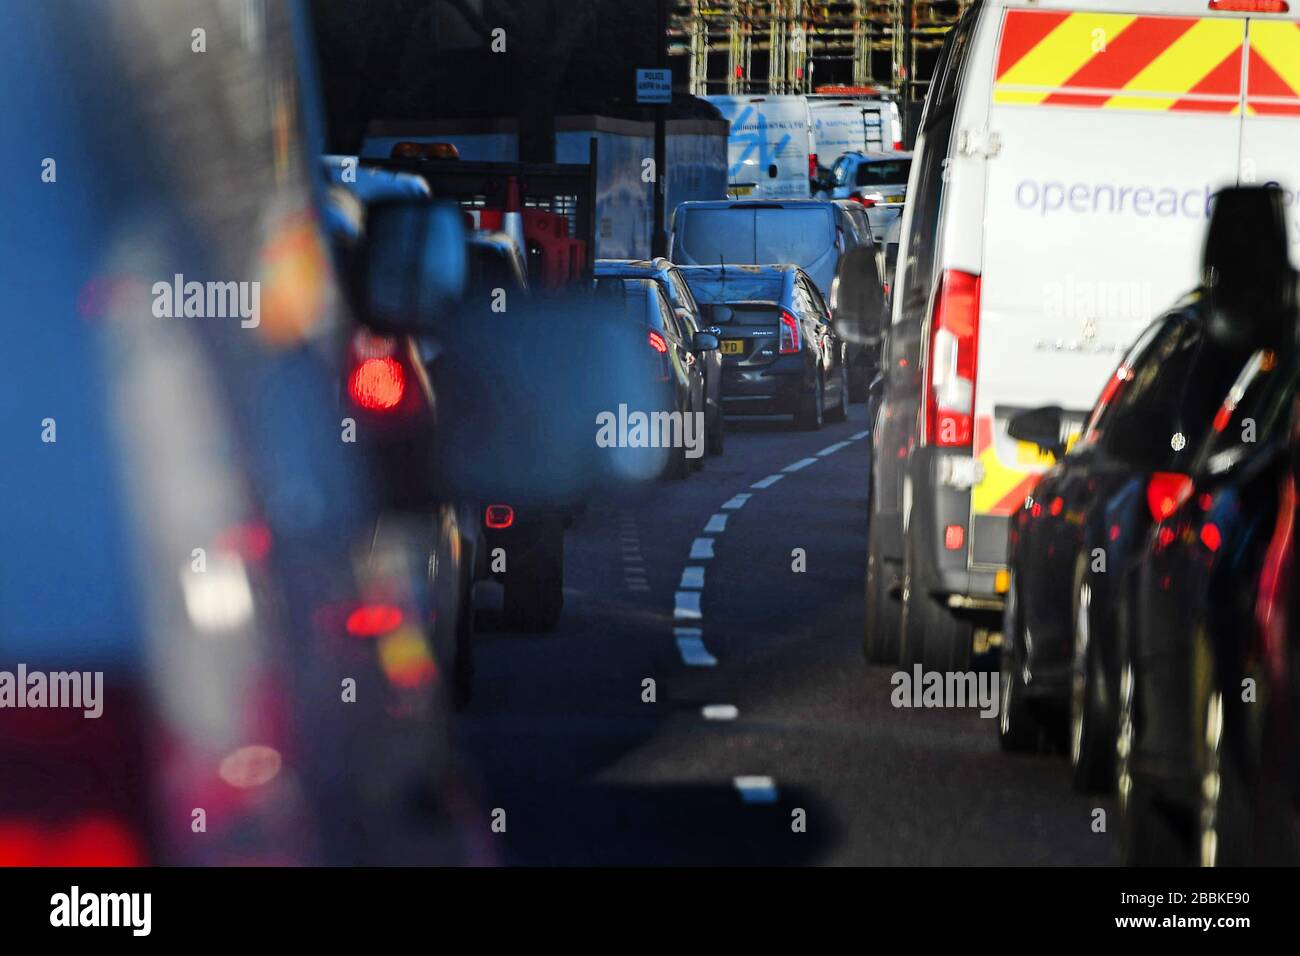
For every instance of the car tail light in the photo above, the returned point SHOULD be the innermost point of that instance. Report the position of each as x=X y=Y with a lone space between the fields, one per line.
x=954 y=337
x=791 y=341
x=377 y=384
x=374 y=620
x=954 y=536
x=90 y=839
x=499 y=516
x=898 y=144
x=1166 y=491
x=1250 y=6
x=658 y=343
x=864 y=201
x=1276 y=597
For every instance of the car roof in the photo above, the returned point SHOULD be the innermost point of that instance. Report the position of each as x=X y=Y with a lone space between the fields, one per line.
x=761 y=203
x=881 y=156
x=775 y=268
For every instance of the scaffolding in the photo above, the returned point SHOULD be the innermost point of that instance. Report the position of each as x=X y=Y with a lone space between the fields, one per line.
x=797 y=46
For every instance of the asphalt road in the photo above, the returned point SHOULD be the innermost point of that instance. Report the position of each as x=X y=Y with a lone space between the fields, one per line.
x=559 y=737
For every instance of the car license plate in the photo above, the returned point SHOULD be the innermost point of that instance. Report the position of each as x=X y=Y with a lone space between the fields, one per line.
x=733 y=346
x=740 y=190
x=894 y=198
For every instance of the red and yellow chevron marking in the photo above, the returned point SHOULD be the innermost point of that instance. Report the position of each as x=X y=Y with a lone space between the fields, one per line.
x=1119 y=61
x=1002 y=489
x=1273 y=68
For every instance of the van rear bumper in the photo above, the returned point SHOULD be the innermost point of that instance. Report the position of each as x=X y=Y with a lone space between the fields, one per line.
x=942 y=571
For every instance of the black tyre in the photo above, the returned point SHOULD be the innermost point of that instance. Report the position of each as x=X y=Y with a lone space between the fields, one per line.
x=930 y=633
x=534 y=584
x=812 y=410
x=883 y=613
x=840 y=412
x=1091 y=730
x=716 y=441
x=1018 y=728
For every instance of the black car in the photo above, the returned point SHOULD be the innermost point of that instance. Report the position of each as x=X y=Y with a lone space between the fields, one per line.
x=1204 y=676
x=780 y=353
x=672 y=364
x=1072 y=541
x=687 y=309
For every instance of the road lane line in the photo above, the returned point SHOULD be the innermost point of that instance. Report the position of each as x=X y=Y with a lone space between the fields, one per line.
x=692 y=649
x=756 y=789
x=832 y=449
x=767 y=482
x=692 y=577
x=716 y=523
x=736 y=503
x=801 y=463
x=720 y=711
x=860 y=435
x=686 y=605
x=701 y=548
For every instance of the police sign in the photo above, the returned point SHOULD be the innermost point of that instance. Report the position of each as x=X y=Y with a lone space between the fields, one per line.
x=654 y=86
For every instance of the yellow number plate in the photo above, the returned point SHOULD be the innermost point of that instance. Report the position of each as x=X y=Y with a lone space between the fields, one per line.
x=733 y=346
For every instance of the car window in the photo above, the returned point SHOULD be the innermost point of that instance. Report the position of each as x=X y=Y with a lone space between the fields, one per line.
x=1123 y=374
x=800 y=235
x=713 y=236
x=668 y=317
x=883 y=173
x=953 y=58
x=731 y=285
x=923 y=235
x=682 y=293
x=840 y=171
x=817 y=302
x=1253 y=410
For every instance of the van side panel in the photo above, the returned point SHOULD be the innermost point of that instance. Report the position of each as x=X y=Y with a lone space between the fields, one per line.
x=1111 y=133
x=1270 y=141
x=767 y=132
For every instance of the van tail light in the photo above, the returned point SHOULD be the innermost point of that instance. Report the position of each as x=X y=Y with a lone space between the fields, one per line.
x=898 y=145
x=790 y=339
x=954 y=339
x=812 y=165
x=1166 y=491
x=499 y=517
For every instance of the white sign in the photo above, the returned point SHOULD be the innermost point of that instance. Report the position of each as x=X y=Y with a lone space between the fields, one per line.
x=654 y=86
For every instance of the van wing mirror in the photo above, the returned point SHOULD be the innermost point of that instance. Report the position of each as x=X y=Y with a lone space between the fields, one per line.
x=1246 y=271
x=1040 y=426
x=414 y=265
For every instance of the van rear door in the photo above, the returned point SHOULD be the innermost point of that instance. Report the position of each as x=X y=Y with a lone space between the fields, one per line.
x=1270 y=136
x=767 y=147
x=1109 y=134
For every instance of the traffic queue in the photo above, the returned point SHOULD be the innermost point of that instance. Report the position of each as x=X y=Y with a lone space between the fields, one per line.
x=1110 y=223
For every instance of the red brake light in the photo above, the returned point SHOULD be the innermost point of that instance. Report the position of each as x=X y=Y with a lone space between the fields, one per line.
x=1251 y=6
x=377 y=384
x=374 y=620
x=1058 y=505
x=954 y=536
x=1166 y=491
x=500 y=516
x=898 y=144
x=657 y=342
x=89 y=840
x=867 y=203
x=1210 y=536
x=812 y=165
x=954 y=337
x=790 y=338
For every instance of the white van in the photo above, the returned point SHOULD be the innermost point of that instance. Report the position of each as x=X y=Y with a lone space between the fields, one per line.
x=767 y=149
x=842 y=125
x=1059 y=193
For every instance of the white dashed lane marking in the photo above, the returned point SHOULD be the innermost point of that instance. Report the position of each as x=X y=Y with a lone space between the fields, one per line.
x=736 y=503
x=686 y=605
x=720 y=711
x=690 y=644
x=756 y=789
x=692 y=577
x=860 y=435
x=832 y=449
x=801 y=463
x=716 y=524
x=767 y=482
x=701 y=548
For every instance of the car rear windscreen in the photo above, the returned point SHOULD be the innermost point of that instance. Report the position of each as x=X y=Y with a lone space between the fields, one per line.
x=735 y=287
x=744 y=313
x=758 y=236
x=888 y=173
